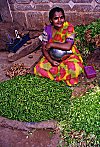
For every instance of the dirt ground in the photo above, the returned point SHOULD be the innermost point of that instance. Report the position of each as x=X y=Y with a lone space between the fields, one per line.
x=88 y=83
x=43 y=137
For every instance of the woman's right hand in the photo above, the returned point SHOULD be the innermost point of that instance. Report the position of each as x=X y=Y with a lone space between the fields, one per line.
x=47 y=55
x=55 y=63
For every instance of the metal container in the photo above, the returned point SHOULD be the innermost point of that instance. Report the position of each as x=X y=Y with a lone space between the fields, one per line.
x=58 y=54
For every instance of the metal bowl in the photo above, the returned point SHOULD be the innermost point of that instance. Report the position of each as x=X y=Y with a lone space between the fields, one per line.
x=57 y=54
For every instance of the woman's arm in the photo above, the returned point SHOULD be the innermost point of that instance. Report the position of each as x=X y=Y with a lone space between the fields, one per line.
x=46 y=54
x=63 y=46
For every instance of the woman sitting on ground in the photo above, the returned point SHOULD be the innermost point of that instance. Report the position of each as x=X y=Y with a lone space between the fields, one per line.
x=61 y=61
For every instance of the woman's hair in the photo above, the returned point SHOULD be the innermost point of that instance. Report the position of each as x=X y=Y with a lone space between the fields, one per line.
x=56 y=9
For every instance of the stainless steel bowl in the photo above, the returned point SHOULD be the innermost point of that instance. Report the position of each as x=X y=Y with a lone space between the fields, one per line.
x=57 y=54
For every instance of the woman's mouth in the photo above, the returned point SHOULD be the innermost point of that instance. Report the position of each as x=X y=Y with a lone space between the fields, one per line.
x=59 y=23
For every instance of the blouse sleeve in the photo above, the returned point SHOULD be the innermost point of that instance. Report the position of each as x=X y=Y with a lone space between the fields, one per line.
x=44 y=36
x=47 y=33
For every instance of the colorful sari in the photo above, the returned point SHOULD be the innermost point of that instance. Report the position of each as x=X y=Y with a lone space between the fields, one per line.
x=69 y=69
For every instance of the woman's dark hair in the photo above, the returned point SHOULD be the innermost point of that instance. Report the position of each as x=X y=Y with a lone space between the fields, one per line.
x=56 y=9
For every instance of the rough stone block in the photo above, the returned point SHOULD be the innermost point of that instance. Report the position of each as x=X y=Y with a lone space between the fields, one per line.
x=82 y=1
x=74 y=18
x=88 y=18
x=46 y=17
x=82 y=8
x=42 y=7
x=4 y=12
x=38 y=7
x=24 y=50
x=60 y=1
x=35 y=20
x=82 y=18
x=40 y=1
x=65 y=7
x=19 y=18
x=23 y=1
x=19 y=7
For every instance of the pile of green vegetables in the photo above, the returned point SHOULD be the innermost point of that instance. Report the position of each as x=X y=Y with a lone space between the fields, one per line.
x=29 y=98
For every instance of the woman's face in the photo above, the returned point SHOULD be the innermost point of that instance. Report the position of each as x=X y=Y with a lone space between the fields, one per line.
x=58 y=20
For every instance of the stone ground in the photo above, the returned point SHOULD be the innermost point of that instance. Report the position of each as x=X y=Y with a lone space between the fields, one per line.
x=12 y=137
x=21 y=134
x=17 y=138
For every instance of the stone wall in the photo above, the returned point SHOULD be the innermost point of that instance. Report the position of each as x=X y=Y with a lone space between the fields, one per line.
x=4 y=11
x=33 y=14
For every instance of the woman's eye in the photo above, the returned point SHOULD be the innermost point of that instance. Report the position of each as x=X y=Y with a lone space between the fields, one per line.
x=55 y=18
x=62 y=17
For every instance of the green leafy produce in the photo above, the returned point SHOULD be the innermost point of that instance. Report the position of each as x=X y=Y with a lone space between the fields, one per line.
x=84 y=115
x=87 y=37
x=30 y=98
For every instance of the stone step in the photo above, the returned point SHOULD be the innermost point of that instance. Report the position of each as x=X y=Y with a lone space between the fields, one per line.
x=25 y=50
x=30 y=60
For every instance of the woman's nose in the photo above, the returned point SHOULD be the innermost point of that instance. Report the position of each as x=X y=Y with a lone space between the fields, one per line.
x=59 y=19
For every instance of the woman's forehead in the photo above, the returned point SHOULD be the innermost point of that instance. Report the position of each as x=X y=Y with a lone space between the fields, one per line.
x=58 y=14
